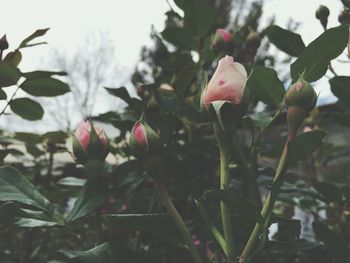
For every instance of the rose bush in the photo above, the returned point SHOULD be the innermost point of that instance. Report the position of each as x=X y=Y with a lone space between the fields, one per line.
x=183 y=184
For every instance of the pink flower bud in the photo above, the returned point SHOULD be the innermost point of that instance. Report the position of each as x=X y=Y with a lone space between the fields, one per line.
x=83 y=133
x=227 y=83
x=220 y=38
x=88 y=145
x=139 y=133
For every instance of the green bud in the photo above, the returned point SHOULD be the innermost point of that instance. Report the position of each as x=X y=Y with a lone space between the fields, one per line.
x=253 y=40
x=322 y=14
x=301 y=98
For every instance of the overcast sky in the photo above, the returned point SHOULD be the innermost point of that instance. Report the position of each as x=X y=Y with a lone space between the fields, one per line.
x=128 y=24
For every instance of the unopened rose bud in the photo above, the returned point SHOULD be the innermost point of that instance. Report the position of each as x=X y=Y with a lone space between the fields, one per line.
x=144 y=140
x=344 y=17
x=301 y=98
x=322 y=14
x=89 y=144
x=227 y=83
x=3 y=43
x=220 y=39
x=253 y=40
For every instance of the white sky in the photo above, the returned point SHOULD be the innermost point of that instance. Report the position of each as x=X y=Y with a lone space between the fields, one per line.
x=128 y=24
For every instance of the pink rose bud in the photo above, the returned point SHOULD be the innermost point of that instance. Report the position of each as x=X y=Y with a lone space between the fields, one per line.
x=144 y=140
x=89 y=143
x=301 y=98
x=139 y=133
x=220 y=39
x=227 y=83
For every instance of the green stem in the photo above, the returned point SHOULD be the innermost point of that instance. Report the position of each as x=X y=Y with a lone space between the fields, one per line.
x=168 y=203
x=267 y=208
x=223 y=142
x=225 y=212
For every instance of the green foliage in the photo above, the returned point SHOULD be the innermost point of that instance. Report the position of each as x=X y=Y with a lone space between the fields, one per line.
x=15 y=187
x=314 y=60
x=287 y=41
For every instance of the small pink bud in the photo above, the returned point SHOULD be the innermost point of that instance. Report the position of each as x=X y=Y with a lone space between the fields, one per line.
x=220 y=39
x=83 y=133
x=227 y=37
x=227 y=83
x=139 y=134
x=88 y=145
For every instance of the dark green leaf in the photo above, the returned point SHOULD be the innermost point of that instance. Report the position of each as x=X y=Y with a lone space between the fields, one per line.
x=10 y=214
x=37 y=33
x=236 y=203
x=179 y=37
x=39 y=74
x=15 y=187
x=330 y=192
x=27 y=108
x=123 y=94
x=332 y=240
x=314 y=59
x=161 y=225
x=9 y=75
x=304 y=145
x=27 y=137
x=265 y=85
x=287 y=41
x=91 y=196
x=199 y=17
x=46 y=87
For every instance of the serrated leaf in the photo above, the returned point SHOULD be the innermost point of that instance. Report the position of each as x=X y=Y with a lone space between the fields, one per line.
x=313 y=61
x=161 y=225
x=265 y=85
x=285 y=40
x=45 y=87
x=9 y=75
x=27 y=109
x=10 y=214
x=15 y=187
x=304 y=145
x=91 y=196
